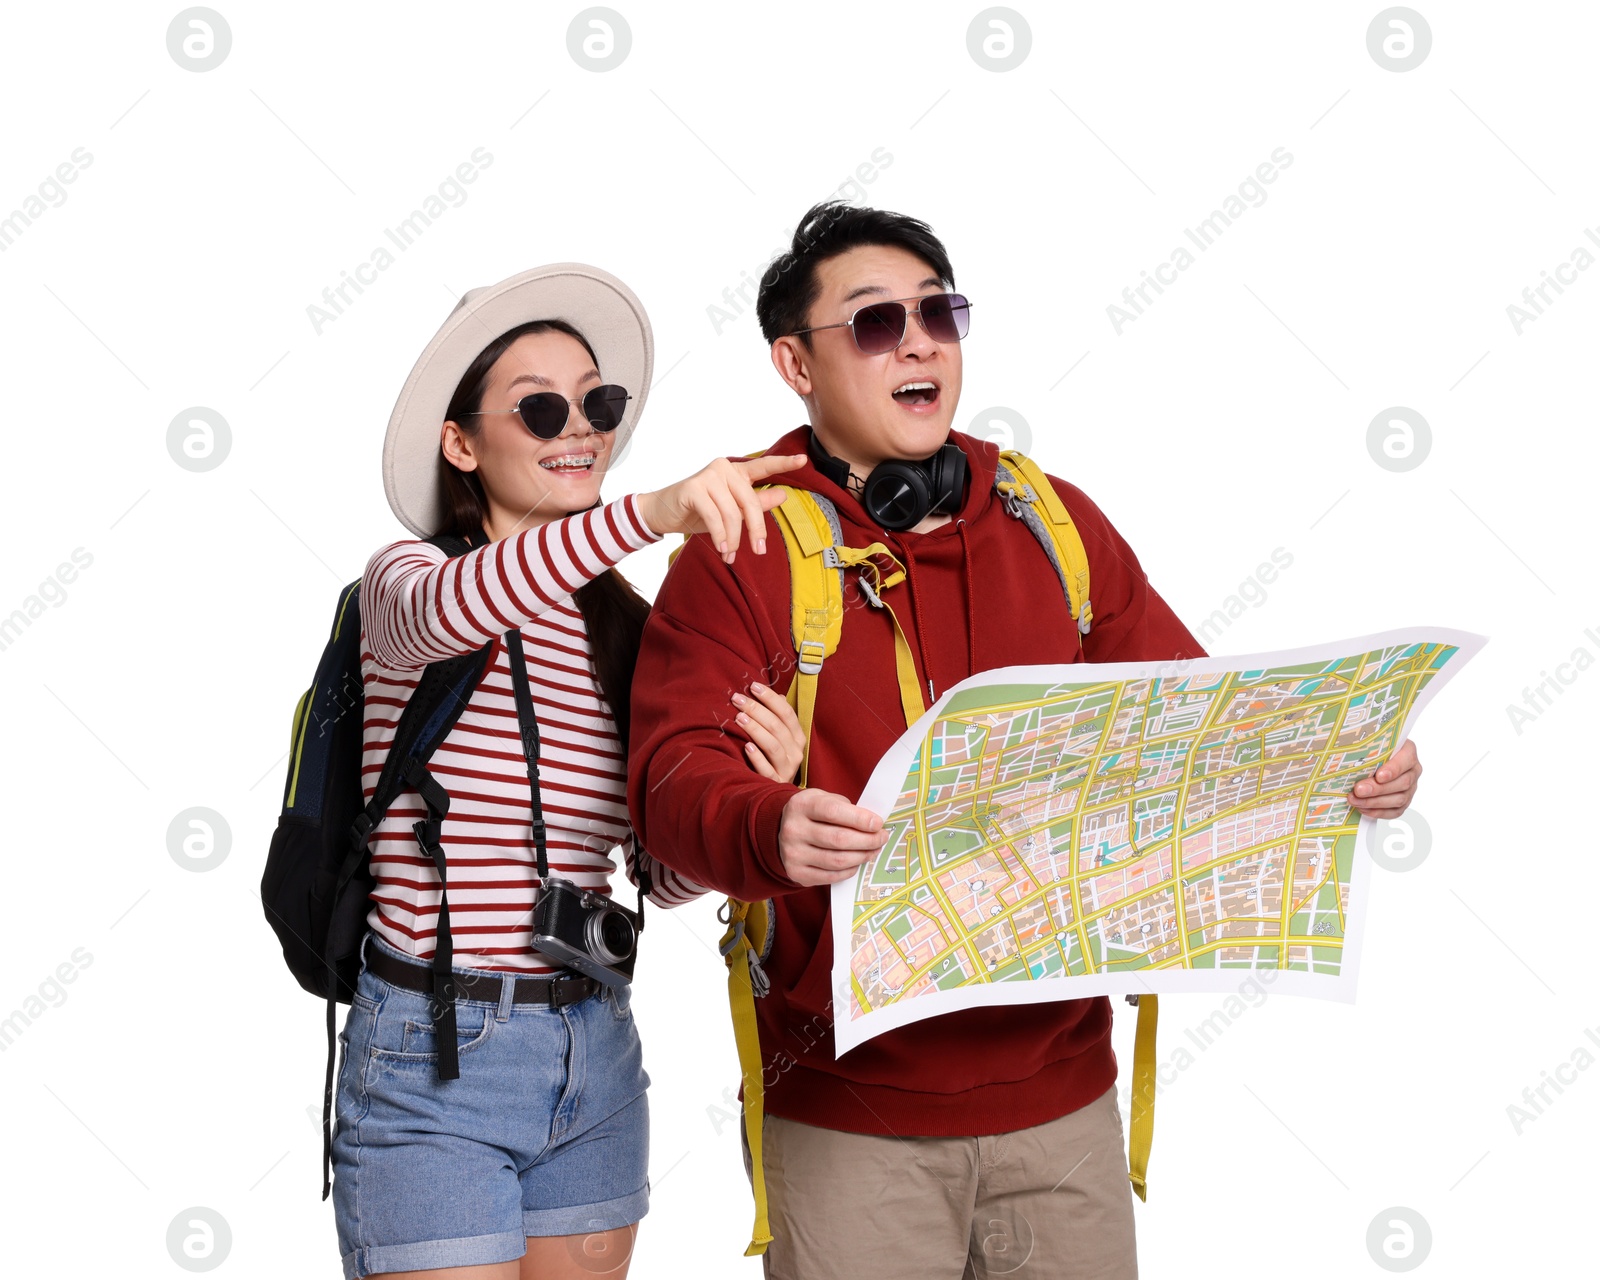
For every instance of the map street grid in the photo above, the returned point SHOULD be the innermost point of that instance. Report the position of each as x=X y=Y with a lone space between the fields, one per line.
x=1065 y=831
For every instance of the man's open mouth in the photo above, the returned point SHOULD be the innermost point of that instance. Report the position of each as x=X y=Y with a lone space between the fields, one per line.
x=916 y=393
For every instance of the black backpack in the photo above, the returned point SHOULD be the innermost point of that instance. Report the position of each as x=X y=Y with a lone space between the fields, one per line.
x=316 y=883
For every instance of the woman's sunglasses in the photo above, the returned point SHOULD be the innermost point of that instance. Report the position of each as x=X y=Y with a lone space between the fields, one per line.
x=545 y=412
x=882 y=326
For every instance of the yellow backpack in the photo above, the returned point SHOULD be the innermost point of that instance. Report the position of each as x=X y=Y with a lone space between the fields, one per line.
x=817 y=560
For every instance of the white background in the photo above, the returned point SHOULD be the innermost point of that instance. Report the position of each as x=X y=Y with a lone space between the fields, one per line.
x=182 y=1066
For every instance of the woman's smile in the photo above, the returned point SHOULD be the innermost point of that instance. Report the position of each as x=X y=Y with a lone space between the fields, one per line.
x=576 y=462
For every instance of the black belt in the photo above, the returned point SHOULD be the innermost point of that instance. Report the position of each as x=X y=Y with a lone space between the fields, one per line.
x=557 y=992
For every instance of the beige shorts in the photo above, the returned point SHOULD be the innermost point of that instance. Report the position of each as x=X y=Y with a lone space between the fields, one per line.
x=1052 y=1200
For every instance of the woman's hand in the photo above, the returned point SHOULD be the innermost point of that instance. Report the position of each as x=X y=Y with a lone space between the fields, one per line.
x=776 y=744
x=720 y=500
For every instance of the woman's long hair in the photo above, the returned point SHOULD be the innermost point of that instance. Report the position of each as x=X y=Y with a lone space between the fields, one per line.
x=613 y=611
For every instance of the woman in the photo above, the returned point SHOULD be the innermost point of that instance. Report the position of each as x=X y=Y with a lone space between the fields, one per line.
x=532 y=1161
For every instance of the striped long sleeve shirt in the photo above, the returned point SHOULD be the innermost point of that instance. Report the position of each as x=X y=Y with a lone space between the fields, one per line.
x=419 y=606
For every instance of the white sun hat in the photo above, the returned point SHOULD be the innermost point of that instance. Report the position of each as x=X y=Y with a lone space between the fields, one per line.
x=594 y=302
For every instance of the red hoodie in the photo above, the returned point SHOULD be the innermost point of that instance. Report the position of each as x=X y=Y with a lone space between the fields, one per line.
x=980 y=593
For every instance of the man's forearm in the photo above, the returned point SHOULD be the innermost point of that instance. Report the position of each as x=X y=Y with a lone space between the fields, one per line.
x=710 y=818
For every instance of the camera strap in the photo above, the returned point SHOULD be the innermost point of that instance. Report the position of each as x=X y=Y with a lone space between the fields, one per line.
x=528 y=728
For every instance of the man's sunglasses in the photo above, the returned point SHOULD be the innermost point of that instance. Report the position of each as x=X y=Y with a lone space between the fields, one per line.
x=882 y=326
x=545 y=412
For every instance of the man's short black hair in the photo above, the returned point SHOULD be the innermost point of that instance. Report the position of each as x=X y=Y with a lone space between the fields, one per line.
x=789 y=285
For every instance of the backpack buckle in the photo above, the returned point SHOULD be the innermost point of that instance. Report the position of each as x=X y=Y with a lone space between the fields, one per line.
x=360 y=829
x=1016 y=493
x=427 y=833
x=811 y=666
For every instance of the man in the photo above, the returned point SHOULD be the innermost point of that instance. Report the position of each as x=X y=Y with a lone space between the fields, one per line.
x=981 y=1142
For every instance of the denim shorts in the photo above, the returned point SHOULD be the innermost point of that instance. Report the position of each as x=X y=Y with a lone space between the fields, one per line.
x=546 y=1133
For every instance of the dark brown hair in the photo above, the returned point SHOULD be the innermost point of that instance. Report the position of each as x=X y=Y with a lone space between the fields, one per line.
x=789 y=286
x=613 y=612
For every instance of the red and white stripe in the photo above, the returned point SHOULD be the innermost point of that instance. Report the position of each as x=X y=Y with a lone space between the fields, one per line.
x=417 y=607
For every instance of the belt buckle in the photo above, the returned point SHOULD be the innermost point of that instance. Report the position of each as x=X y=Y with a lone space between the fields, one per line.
x=568 y=990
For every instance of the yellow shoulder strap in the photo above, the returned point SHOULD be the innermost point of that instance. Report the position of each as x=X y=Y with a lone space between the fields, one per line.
x=737 y=950
x=817 y=620
x=1036 y=490
x=1142 y=1118
x=815 y=601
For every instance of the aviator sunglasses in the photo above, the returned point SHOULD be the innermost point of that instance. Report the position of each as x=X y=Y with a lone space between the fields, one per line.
x=882 y=326
x=545 y=412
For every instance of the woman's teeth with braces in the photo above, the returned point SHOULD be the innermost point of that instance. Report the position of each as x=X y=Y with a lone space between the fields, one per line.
x=569 y=462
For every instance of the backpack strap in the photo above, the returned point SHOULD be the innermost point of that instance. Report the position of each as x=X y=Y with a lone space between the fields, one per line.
x=1029 y=495
x=429 y=832
x=813 y=538
x=817 y=613
x=430 y=713
x=810 y=528
x=816 y=598
x=742 y=966
x=1142 y=1112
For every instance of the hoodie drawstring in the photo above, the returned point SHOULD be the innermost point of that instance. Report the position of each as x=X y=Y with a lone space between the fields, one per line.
x=916 y=608
x=972 y=607
x=916 y=612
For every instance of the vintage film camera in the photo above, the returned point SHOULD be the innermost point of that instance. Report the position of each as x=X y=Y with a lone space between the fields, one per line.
x=586 y=931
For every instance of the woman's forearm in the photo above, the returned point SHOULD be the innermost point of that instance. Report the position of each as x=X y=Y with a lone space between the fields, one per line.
x=418 y=606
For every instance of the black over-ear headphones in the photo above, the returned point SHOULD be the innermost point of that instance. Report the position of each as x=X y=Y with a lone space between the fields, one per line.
x=900 y=493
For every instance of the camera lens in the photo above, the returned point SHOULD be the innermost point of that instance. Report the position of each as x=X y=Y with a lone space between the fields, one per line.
x=611 y=935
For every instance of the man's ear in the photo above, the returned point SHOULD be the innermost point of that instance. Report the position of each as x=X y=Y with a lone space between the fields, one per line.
x=793 y=363
x=456 y=446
